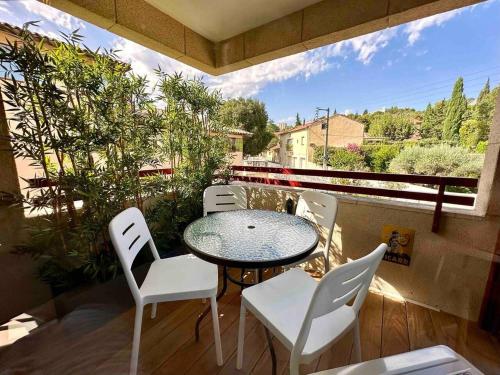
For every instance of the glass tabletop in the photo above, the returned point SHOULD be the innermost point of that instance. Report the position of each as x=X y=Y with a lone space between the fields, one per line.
x=251 y=238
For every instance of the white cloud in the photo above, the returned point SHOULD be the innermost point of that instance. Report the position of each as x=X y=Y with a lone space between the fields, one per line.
x=366 y=46
x=250 y=81
x=414 y=29
x=61 y=19
x=4 y=9
x=348 y=111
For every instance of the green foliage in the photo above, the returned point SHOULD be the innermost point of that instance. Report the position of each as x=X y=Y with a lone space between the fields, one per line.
x=394 y=124
x=481 y=147
x=341 y=158
x=91 y=125
x=432 y=121
x=378 y=157
x=249 y=115
x=441 y=160
x=455 y=112
x=297 y=120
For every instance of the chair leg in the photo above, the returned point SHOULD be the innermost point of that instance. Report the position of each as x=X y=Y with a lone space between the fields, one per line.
x=241 y=337
x=215 y=319
x=136 y=340
x=327 y=264
x=357 y=343
x=153 y=310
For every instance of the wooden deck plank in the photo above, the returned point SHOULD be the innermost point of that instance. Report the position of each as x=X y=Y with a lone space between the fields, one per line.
x=264 y=364
x=421 y=331
x=370 y=321
x=255 y=346
x=176 y=363
x=445 y=327
x=159 y=342
x=338 y=355
x=476 y=346
x=168 y=346
x=394 y=328
x=206 y=363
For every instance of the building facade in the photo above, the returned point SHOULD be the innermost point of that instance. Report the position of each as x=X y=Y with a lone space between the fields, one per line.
x=296 y=145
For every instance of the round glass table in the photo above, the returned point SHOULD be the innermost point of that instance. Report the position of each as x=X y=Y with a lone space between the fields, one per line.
x=249 y=239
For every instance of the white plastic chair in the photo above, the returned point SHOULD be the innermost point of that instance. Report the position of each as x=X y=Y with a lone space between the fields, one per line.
x=219 y=198
x=320 y=209
x=306 y=316
x=172 y=279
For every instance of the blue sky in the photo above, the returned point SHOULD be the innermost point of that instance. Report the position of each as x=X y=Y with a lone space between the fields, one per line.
x=409 y=65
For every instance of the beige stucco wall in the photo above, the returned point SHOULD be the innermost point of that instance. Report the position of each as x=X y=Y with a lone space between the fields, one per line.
x=448 y=270
x=342 y=132
x=19 y=286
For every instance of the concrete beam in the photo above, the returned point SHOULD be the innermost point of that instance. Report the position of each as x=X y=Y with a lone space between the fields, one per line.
x=323 y=23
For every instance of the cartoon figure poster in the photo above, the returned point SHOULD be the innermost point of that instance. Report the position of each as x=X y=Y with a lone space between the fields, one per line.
x=400 y=242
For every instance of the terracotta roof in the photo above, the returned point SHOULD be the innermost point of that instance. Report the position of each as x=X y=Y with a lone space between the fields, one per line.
x=16 y=31
x=313 y=123
x=240 y=132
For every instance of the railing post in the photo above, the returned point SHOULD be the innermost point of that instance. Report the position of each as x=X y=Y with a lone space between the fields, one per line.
x=439 y=206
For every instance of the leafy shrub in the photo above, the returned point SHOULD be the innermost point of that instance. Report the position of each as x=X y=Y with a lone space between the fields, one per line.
x=378 y=157
x=481 y=147
x=440 y=160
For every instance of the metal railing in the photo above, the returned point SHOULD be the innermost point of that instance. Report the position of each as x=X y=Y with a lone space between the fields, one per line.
x=438 y=198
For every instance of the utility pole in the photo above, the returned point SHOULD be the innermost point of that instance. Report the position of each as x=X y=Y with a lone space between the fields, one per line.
x=325 y=150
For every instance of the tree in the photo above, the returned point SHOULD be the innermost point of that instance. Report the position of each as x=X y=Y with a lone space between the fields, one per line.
x=475 y=129
x=485 y=104
x=395 y=126
x=472 y=132
x=455 y=113
x=433 y=119
x=297 y=120
x=249 y=115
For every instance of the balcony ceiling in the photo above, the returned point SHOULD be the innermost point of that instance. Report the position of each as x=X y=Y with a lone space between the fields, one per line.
x=217 y=20
x=220 y=36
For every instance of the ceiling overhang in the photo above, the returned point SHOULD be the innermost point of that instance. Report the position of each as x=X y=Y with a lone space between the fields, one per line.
x=323 y=22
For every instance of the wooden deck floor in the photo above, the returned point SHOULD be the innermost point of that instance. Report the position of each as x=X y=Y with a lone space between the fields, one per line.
x=94 y=340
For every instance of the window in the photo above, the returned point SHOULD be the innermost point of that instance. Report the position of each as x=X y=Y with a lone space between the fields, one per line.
x=302 y=141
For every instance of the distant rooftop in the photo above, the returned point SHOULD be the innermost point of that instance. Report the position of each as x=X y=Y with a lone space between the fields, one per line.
x=318 y=121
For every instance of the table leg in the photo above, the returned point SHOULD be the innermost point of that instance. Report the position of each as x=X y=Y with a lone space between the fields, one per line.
x=205 y=312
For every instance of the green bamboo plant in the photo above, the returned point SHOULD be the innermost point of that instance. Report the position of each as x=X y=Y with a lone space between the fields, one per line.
x=90 y=125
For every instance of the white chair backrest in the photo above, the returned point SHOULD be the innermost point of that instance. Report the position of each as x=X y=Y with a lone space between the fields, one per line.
x=129 y=233
x=219 y=198
x=321 y=209
x=339 y=286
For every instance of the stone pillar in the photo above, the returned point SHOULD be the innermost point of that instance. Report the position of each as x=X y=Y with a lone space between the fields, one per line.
x=490 y=188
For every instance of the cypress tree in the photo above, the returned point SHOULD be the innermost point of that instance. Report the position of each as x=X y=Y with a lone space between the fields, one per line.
x=297 y=120
x=457 y=108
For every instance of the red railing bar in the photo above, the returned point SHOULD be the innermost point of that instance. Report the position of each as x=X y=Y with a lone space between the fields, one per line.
x=152 y=172
x=439 y=206
x=414 y=195
x=392 y=177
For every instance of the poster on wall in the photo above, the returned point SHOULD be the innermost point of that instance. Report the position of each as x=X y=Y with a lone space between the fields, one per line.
x=400 y=243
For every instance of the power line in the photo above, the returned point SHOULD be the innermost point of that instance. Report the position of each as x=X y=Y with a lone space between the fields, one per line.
x=418 y=88
x=444 y=90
